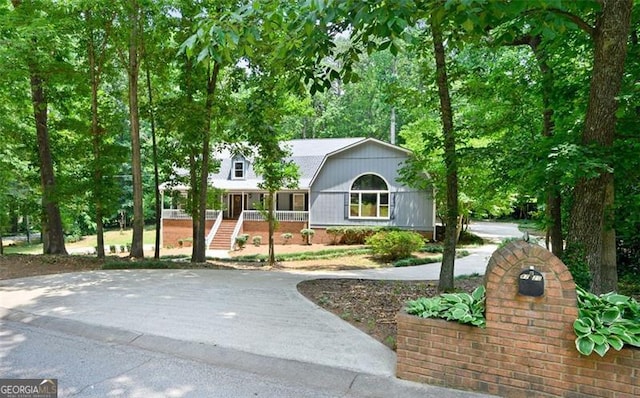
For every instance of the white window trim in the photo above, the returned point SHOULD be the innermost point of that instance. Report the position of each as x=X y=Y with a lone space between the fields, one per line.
x=233 y=171
x=378 y=205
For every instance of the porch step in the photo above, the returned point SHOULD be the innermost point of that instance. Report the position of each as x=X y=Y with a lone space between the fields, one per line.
x=222 y=238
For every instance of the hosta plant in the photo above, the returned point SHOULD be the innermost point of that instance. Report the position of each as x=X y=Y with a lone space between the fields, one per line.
x=606 y=321
x=461 y=307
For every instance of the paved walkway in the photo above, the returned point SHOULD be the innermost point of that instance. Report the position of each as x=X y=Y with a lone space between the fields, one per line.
x=252 y=312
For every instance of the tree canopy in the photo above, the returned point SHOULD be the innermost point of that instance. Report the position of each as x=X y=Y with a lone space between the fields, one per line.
x=541 y=118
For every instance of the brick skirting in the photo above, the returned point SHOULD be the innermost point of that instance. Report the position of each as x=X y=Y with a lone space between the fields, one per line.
x=527 y=348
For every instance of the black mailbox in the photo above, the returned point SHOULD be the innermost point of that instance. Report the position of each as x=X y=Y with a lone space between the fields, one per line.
x=531 y=283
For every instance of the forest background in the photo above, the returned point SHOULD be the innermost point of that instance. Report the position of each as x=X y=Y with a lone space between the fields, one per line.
x=508 y=106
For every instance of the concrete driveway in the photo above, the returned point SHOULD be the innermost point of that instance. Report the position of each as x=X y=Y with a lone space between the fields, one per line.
x=254 y=312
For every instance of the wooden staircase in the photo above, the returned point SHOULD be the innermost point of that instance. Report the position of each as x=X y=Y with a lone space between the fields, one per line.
x=222 y=238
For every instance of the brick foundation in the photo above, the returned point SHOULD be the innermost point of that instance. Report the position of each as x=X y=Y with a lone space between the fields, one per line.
x=174 y=230
x=527 y=348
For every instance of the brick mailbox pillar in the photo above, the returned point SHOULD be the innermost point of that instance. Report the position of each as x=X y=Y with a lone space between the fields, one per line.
x=527 y=348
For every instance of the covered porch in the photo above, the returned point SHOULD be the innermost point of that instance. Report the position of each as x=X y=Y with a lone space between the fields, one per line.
x=240 y=212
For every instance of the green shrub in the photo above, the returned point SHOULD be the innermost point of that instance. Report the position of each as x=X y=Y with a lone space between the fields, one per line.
x=241 y=240
x=286 y=237
x=410 y=262
x=608 y=320
x=432 y=249
x=307 y=233
x=335 y=233
x=352 y=235
x=461 y=307
x=467 y=238
x=394 y=245
x=257 y=240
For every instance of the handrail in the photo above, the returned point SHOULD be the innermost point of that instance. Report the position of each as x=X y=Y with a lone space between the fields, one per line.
x=236 y=230
x=214 y=229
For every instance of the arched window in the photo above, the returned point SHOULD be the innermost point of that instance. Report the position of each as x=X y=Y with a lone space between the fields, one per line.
x=369 y=197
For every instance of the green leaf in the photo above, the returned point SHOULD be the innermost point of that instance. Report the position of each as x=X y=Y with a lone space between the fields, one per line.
x=479 y=293
x=202 y=55
x=581 y=327
x=597 y=338
x=601 y=349
x=610 y=315
x=615 y=342
x=468 y=25
x=458 y=313
x=615 y=298
x=584 y=345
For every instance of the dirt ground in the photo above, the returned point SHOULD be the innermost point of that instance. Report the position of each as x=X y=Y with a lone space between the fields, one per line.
x=369 y=305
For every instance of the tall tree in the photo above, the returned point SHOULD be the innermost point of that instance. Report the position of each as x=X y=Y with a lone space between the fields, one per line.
x=97 y=31
x=591 y=231
x=52 y=231
x=133 y=72
x=451 y=163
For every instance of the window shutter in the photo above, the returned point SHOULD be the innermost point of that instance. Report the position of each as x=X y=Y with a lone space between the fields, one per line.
x=346 y=205
x=291 y=201
x=392 y=205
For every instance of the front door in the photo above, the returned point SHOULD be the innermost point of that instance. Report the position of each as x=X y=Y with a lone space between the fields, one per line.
x=236 y=206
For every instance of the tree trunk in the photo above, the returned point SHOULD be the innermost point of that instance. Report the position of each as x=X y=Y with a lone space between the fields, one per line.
x=272 y=228
x=96 y=134
x=200 y=249
x=450 y=160
x=52 y=233
x=193 y=201
x=137 y=249
x=554 y=199
x=591 y=222
x=156 y=177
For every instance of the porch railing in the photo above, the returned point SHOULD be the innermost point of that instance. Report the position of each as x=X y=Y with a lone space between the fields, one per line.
x=179 y=214
x=281 y=215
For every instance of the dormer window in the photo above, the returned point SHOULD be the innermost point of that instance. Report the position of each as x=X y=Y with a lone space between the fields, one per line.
x=238 y=169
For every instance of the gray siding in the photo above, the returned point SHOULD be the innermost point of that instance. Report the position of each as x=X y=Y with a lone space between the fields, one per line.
x=329 y=193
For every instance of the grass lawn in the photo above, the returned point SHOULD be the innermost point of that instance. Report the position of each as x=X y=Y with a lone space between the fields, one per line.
x=111 y=237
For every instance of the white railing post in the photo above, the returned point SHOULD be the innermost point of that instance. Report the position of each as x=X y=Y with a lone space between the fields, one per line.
x=236 y=230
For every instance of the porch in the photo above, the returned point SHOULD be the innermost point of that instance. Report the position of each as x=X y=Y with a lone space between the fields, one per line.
x=176 y=225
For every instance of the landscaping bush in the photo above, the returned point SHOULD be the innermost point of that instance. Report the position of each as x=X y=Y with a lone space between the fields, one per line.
x=241 y=240
x=286 y=237
x=604 y=321
x=467 y=238
x=307 y=233
x=461 y=307
x=410 y=262
x=394 y=245
x=432 y=249
x=257 y=240
x=354 y=235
